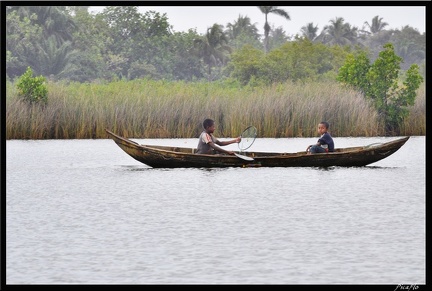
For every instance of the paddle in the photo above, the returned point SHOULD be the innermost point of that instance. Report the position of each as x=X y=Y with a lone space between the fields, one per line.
x=247 y=139
x=244 y=157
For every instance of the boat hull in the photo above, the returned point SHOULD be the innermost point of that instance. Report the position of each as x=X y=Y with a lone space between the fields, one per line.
x=178 y=157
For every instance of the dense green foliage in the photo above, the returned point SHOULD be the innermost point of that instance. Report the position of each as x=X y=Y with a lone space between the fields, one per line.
x=300 y=60
x=32 y=89
x=68 y=43
x=379 y=83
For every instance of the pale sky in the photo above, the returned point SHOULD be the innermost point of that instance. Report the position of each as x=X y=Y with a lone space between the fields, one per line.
x=202 y=17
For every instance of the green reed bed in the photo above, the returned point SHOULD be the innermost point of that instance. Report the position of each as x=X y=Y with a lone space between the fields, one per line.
x=160 y=109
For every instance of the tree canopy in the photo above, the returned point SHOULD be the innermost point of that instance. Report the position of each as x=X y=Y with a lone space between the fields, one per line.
x=68 y=43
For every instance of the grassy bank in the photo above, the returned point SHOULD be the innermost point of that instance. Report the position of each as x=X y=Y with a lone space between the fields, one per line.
x=159 y=109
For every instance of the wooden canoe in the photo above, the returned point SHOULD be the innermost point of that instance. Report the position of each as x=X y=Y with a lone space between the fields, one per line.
x=180 y=157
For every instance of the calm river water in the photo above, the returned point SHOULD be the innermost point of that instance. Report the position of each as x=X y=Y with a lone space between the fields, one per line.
x=83 y=211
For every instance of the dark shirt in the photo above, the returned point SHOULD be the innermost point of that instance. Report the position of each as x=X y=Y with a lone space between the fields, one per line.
x=326 y=139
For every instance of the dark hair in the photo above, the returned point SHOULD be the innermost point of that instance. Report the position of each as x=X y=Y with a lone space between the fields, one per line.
x=208 y=123
x=326 y=124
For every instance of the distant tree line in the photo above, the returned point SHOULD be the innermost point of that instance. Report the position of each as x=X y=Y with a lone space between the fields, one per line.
x=69 y=43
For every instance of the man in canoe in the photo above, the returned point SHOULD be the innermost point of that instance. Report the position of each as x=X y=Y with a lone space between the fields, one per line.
x=325 y=143
x=209 y=144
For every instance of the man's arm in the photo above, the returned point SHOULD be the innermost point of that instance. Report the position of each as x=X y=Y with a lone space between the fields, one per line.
x=219 y=149
x=224 y=143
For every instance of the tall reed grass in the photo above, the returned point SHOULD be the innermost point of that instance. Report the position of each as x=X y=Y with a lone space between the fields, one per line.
x=160 y=109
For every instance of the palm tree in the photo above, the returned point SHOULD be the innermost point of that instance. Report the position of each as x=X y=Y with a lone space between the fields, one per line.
x=376 y=26
x=242 y=25
x=266 y=10
x=213 y=47
x=409 y=45
x=277 y=38
x=55 y=20
x=309 y=31
x=243 y=32
x=339 y=33
x=52 y=59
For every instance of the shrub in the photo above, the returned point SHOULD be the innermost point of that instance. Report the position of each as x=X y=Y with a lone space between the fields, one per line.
x=379 y=82
x=32 y=89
